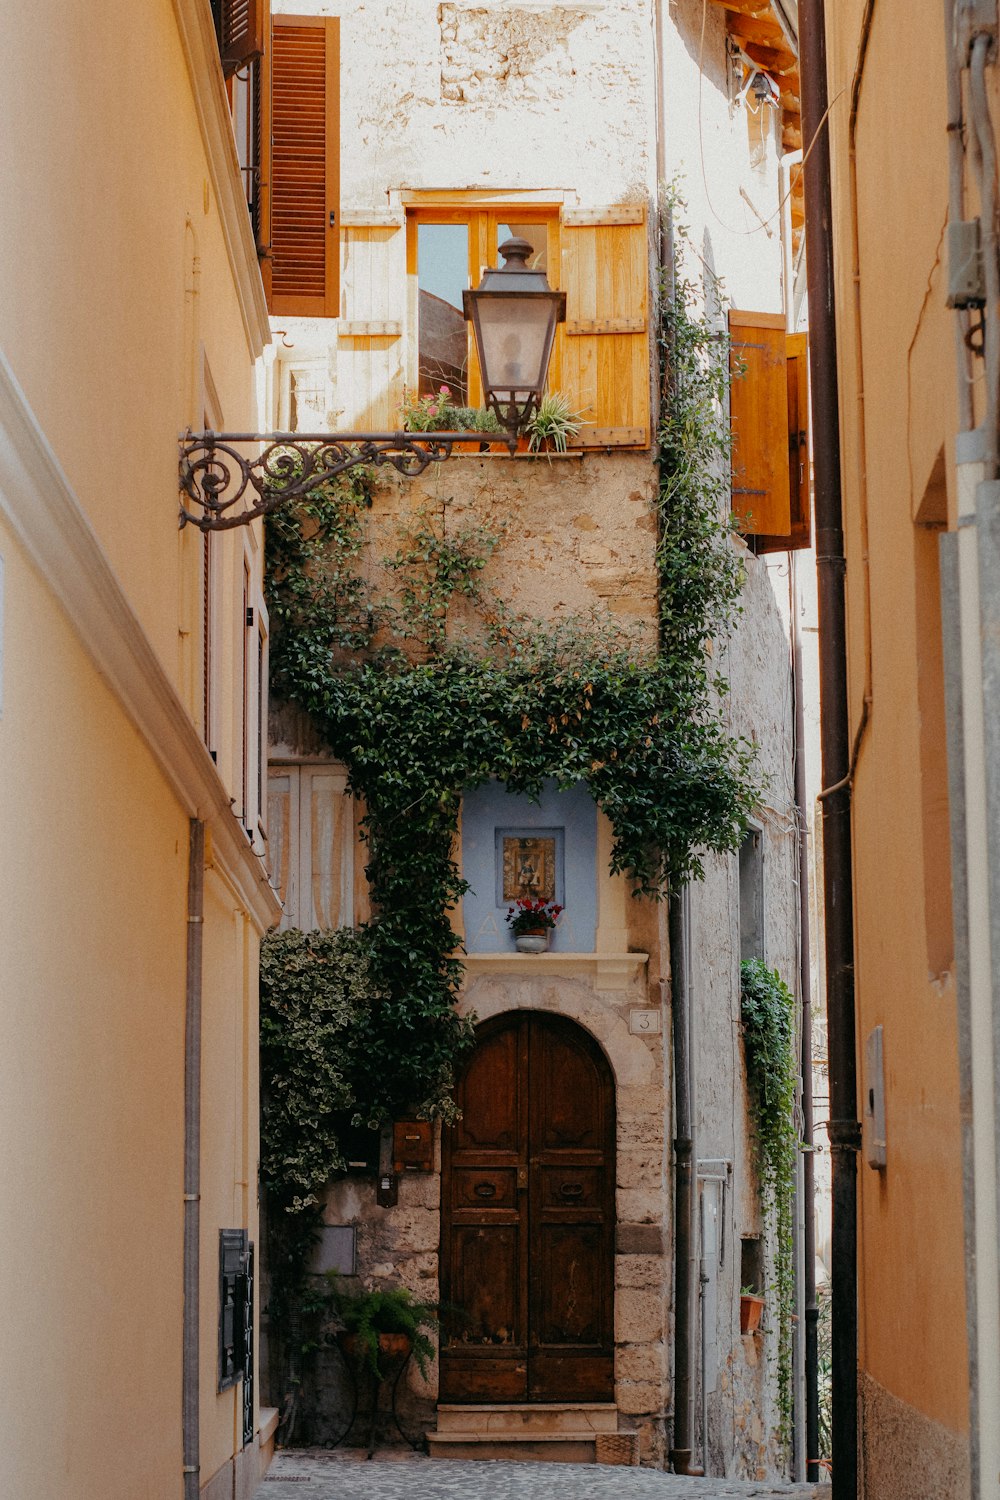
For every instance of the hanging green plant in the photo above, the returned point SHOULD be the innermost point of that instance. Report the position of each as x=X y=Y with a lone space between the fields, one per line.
x=768 y=1023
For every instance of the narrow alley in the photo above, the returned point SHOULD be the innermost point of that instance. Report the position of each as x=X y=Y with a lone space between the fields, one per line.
x=312 y=1474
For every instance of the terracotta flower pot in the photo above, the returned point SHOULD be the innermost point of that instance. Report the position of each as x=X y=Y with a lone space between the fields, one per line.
x=751 y=1309
x=390 y=1346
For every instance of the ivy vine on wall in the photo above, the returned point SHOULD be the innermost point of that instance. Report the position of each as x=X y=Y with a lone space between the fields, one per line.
x=419 y=712
x=768 y=1023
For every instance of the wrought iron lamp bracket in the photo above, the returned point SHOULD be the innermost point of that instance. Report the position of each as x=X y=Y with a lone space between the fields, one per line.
x=223 y=486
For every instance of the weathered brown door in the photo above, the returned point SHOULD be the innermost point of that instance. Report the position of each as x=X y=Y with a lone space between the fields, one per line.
x=527 y=1218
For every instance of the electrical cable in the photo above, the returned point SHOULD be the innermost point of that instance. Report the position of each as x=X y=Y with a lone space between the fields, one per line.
x=793 y=181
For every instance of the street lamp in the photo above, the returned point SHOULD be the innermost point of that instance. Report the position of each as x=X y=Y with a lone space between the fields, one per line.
x=513 y=313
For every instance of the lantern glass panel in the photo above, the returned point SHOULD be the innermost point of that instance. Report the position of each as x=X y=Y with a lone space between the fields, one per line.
x=515 y=333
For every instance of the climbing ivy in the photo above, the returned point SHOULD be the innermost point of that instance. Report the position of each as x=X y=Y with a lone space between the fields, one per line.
x=768 y=1021
x=420 y=711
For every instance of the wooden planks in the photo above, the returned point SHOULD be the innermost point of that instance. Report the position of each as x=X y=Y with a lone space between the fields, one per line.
x=604 y=345
x=370 y=351
x=759 y=415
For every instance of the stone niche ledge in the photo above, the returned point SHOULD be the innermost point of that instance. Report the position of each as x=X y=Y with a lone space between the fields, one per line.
x=609 y=971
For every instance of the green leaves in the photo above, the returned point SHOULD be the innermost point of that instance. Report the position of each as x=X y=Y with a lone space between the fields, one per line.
x=768 y=1021
x=439 y=684
x=317 y=997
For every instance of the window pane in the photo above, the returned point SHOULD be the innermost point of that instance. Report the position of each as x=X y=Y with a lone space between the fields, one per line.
x=537 y=236
x=442 y=276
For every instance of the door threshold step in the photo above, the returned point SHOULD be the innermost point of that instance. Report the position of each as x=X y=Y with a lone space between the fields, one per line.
x=583 y=1418
x=547 y=1447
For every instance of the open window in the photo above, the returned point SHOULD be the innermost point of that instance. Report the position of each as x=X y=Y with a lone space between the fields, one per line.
x=602 y=357
x=448 y=249
x=769 y=414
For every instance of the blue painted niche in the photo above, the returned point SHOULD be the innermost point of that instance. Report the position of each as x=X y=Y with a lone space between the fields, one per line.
x=489 y=813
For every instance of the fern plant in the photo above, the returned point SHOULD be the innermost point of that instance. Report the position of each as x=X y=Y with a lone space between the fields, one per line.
x=392 y=1310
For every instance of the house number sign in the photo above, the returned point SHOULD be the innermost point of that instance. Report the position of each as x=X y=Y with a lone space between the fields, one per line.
x=643 y=1022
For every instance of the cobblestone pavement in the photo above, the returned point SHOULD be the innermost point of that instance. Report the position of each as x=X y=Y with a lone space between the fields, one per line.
x=345 y=1475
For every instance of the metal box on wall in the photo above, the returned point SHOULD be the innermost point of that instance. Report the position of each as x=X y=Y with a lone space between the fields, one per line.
x=412 y=1146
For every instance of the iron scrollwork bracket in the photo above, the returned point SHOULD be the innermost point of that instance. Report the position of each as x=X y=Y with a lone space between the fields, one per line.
x=223 y=487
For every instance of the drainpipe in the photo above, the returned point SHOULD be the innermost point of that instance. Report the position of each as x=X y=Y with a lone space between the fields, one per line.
x=844 y=1130
x=685 y=1245
x=192 y=1159
x=805 y=991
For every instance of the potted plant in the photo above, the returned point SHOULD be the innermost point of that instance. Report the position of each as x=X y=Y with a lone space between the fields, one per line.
x=751 y=1308
x=433 y=413
x=372 y=1325
x=532 y=922
x=553 y=424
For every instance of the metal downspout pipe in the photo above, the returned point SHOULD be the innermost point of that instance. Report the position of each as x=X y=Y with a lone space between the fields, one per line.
x=685 y=1242
x=844 y=1130
x=190 y=1392
x=811 y=1339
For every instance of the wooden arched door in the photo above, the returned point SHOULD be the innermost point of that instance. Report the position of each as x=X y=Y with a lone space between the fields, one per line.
x=527 y=1218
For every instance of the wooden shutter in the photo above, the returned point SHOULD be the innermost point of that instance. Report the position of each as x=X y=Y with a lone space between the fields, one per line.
x=311 y=841
x=240 y=26
x=301 y=272
x=604 y=343
x=768 y=405
x=370 y=346
x=800 y=511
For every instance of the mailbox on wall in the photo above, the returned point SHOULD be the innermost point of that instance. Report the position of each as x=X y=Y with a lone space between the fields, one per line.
x=412 y=1146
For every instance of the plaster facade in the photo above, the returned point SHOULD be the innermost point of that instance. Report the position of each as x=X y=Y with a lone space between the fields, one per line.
x=134 y=304
x=896 y=346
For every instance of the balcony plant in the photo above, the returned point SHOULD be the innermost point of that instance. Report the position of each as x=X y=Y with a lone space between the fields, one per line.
x=437 y=412
x=531 y=922
x=553 y=424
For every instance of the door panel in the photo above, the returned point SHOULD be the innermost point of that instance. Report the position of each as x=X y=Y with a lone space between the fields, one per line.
x=527 y=1240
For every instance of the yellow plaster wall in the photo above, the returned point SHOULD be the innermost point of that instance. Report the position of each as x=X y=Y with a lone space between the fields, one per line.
x=896 y=352
x=124 y=294
x=92 y=931
x=113 y=240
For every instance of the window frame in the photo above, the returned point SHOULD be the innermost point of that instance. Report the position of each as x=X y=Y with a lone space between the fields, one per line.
x=483 y=220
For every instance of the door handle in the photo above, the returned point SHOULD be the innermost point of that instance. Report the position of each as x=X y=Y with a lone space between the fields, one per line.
x=522 y=1179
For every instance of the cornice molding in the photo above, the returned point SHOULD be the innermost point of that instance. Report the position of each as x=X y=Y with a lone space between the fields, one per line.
x=197 y=33
x=46 y=516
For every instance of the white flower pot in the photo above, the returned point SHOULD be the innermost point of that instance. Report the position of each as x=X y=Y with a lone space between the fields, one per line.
x=532 y=942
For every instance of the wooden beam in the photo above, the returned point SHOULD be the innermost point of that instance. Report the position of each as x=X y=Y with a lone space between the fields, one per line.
x=746 y=7
x=756 y=29
x=777 y=60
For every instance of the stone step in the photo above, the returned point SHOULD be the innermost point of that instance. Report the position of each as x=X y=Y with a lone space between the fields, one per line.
x=553 y=1447
x=536 y=1418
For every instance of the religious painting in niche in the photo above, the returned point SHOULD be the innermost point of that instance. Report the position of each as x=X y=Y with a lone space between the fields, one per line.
x=529 y=868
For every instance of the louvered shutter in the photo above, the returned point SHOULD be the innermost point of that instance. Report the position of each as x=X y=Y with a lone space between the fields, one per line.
x=769 y=401
x=240 y=27
x=301 y=272
x=604 y=343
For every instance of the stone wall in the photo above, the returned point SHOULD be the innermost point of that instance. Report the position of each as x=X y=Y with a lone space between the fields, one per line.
x=578 y=533
x=741 y=1410
x=906 y=1454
